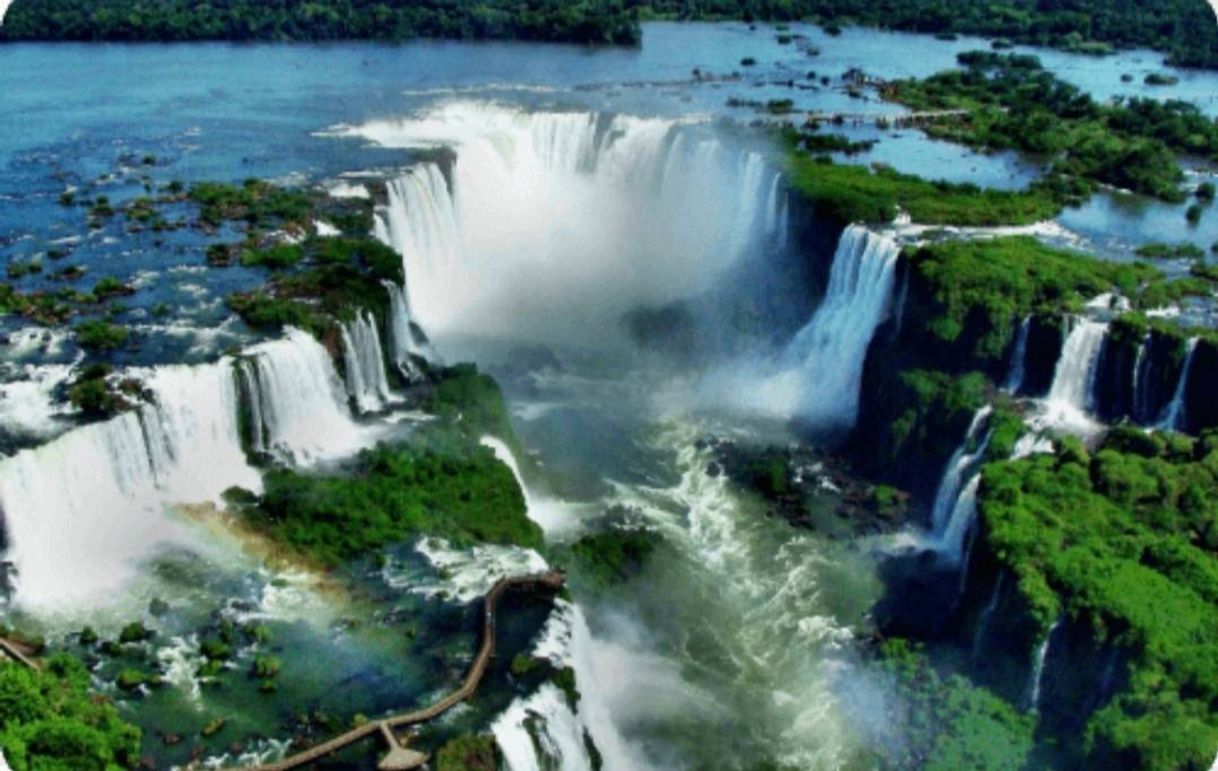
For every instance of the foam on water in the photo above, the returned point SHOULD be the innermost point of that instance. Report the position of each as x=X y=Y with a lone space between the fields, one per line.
x=467 y=574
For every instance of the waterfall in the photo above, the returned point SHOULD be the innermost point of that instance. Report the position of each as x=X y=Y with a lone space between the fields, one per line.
x=983 y=621
x=1019 y=358
x=555 y=517
x=1036 y=679
x=964 y=514
x=1173 y=417
x=820 y=372
x=1140 y=363
x=545 y=732
x=959 y=464
x=574 y=216
x=82 y=511
x=406 y=339
x=364 y=361
x=1072 y=393
x=300 y=400
x=777 y=212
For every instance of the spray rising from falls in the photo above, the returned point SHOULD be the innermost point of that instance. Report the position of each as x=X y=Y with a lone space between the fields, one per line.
x=1173 y=417
x=364 y=360
x=821 y=370
x=406 y=339
x=298 y=403
x=1071 y=395
x=956 y=499
x=578 y=217
x=82 y=511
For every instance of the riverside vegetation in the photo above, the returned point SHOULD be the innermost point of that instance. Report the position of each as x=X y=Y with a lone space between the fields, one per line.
x=1181 y=28
x=1013 y=103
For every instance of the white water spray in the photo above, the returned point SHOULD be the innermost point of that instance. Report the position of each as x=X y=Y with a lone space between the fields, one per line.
x=1071 y=396
x=1173 y=418
x=364 y=360
x=572 y=216
x=820 y=372
x=301 y=402
x=83 y=511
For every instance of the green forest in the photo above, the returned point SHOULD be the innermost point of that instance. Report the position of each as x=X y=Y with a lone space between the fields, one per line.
x=1121 y=540
x=1014 y=103
x=1183 y=29
x=590 y=21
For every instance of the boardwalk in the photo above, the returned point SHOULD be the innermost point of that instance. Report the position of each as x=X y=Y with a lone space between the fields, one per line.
x=399 y=757
x=13 y=651
x=884 y=119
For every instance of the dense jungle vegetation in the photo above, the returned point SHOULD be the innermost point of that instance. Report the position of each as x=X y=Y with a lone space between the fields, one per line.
x=590 y=21
x=1183 y=29
x=1122 y=541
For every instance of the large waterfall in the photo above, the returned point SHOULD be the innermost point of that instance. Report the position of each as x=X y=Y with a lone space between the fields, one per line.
x=578 y=217
x=364 y=361
x=1072 y=394
x=82 y=511
x=819 y=374
x=301 y=403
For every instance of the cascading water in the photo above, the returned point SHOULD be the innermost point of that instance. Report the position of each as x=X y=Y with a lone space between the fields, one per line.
x=1141 y=362
x=1019 y=356
x=1071 y=395
x=545 y=732
x=1173 y=417
x=983 y=621
x=82 y=511
x=364 y=360
x=406 y=340
x=957 y=466
x=604 y=215
x=955 y=505
x=1036 y=678
x=821 y=369
x=554 y=516
x=300 y=400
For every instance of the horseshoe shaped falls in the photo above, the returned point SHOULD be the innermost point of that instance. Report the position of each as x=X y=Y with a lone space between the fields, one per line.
x=760 y=395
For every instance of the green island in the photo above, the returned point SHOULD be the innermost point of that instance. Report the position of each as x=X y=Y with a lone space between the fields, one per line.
x=1011 y=102
x=850 y=193
x=442 y=483
x=1183 y=29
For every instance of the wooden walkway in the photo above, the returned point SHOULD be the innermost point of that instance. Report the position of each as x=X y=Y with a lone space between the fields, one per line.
x=400 y=758
x=903 y=119
x=14 y=652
